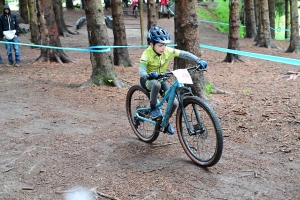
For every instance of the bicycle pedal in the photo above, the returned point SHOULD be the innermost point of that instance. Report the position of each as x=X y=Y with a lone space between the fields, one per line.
x=157 y=119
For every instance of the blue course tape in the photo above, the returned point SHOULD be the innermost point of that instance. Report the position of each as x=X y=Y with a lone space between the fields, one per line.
x=226 y=24
x=96 y=47
x=60 y=48
x=144 y=46
x=108 y=48
x=255 y=55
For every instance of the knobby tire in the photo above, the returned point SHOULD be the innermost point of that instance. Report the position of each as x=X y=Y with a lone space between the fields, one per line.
x=206 y=146
x=138 y=97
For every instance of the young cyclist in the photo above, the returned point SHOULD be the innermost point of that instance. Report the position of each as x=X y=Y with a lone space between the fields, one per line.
x=155 y=60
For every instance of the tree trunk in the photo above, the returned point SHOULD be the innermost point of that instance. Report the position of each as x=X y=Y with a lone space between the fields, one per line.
x=287 y=19
x=23 y=10
x=35 y=36
x=242 y=13
x=49 y=34
x=152 y=13
x=69 y=4
x=271 y=4
x=121 y=56
x=103 y=69
x=59 y=17
x=295 y=38
x=82 y=4
x=187 y=38
x=256 y=9
x=250 y=19
x=1 y=5
x=234 y=31
x=264 y=33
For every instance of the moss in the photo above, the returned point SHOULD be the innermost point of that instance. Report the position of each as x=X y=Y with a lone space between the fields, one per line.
x=103 y=79
x=208 y=89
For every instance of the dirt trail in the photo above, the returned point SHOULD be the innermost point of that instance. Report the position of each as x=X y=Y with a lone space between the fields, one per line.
x=56 y=137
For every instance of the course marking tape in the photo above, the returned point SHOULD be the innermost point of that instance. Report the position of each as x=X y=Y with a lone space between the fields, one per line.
x=60 y=48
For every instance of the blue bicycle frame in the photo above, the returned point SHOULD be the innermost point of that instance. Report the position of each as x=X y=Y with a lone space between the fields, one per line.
x=170 y=96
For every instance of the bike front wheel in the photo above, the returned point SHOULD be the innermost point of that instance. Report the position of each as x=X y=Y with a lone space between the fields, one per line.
x=204 y=143
x=138 y=97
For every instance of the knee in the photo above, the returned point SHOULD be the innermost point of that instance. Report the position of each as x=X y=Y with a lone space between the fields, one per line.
x=156 y=84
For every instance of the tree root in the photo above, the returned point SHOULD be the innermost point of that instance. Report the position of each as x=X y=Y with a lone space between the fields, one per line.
x=292 y=75
x=86 y=84
x=233 y=58
x=68 y=33
x=116 y=82
x=58 y=56
x=219 y=91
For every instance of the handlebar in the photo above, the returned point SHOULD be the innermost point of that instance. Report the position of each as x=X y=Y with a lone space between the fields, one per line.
x=165 y=76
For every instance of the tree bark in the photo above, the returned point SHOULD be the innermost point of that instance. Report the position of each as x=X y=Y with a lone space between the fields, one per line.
x=152 y=13
x=69 y=4
x=287 y=19
x=103 y=72
x=234 y=32
x=187 y=38
x=271 y=4
x=23 y=11
x=35 y=36
x=49 y=34
x=264 y=33
x=59 y=17
x=250 y=19
x=82 y=4
x=121 y=55
x=295 y=38
x=256 y=10
x=2 y=4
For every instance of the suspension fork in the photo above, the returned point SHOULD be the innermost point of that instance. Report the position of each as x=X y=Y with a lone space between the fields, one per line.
x=190 y=129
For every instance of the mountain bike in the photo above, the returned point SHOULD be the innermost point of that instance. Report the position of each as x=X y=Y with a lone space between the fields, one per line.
x=198 y=126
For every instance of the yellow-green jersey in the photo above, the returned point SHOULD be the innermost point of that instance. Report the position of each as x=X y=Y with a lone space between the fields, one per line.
x=152 y=62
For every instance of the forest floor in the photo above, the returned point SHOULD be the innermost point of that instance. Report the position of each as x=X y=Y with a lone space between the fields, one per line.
x=57 y=139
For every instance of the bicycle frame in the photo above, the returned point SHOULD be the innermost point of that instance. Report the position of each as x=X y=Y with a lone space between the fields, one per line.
x=174 y=91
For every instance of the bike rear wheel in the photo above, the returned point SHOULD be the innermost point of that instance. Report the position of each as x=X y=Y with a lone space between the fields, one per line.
x=138 y=97
x=205 y=145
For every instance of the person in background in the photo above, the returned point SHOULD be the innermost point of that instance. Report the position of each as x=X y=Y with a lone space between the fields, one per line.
x=9 y=31
x=135 y=5
x=106 y=4
x=154 y=61
x=163 y=6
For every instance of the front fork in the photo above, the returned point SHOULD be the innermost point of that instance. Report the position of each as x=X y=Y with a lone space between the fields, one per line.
x=198 y=128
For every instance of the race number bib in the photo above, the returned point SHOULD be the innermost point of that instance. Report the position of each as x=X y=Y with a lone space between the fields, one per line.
x=183 y=76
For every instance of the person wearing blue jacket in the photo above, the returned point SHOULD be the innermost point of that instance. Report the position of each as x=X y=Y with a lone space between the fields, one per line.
x=9 y=31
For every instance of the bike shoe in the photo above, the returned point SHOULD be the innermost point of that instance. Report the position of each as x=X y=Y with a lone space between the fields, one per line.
x=155 y=113
x=169 y=129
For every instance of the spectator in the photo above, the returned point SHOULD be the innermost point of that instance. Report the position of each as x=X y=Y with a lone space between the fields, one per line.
x=9 y=31
x=106 y=4
x=163 y=6
x=125 y=2
x=135 y=5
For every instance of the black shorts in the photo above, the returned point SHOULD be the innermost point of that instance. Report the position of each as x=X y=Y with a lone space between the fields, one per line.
x=164 y=86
